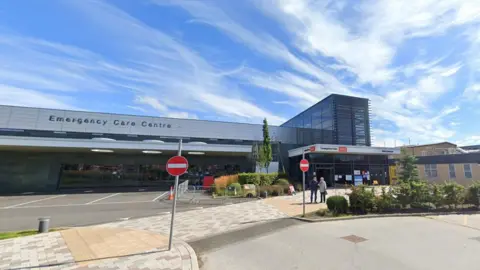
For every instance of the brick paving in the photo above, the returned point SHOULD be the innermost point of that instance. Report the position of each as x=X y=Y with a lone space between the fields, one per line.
x=292 y=205
x=134 y=244
x=87 y=249
x=193 y=225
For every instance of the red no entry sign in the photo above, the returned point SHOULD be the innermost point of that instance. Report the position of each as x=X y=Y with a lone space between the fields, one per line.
x=304 y=165
x=177 y=165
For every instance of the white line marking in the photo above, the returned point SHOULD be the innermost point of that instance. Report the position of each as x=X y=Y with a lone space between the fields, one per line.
x=88 y=191
x=28 y=193
x=124 y=219
x=177 y=165
x=77 y=204
x=159 y=196
x=44 y=199
x=103 y=198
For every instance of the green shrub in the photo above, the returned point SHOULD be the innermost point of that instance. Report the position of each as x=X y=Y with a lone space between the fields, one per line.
x=282 y=182
x=438 y=196
x=276 y=190
x=282 y=176
x=472 y=195
x=212 y=189
x=249 y=178
x=403 y=193
x=298 y=187
x=361 y=200
x=266 y=179
x=427 y=206
x=453 y=194
x=337 y=204
x=420 y=192
x=262 y=189
x=385 y=202
x=220 y=191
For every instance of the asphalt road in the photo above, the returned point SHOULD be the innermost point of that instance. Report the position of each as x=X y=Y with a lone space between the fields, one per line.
x=65 y=210
x=442 y=243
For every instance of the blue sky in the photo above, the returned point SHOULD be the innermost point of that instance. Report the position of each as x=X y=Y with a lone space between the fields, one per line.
x=417 y=61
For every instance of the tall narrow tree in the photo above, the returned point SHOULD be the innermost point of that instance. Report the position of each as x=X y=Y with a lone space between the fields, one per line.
x=408 y=167
x=267 y=146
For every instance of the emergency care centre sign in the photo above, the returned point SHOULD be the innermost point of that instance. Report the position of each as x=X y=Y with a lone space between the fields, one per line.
x=97 y=123
x=104 y=122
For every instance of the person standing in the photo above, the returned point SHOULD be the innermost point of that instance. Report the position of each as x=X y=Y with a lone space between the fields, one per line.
x=313 y=189
x=322 y=186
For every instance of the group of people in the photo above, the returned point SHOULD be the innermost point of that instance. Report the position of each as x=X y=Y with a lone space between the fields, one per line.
x=316 y=186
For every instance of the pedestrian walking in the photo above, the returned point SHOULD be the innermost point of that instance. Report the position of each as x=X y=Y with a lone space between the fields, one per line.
x=313 y=189
x=322 y=186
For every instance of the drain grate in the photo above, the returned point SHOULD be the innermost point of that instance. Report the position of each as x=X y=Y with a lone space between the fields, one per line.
x=354 y=238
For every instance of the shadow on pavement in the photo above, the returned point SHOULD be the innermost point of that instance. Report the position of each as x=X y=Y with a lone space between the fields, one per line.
x=207 y=244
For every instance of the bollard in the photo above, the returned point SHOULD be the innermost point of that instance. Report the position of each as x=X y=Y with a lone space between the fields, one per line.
x=43 y=224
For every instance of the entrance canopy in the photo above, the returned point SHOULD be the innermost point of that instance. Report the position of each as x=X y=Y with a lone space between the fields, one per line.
x=11 y=143
x=343 y=149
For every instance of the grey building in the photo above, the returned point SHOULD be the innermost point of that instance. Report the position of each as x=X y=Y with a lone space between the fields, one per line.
x=46 y=150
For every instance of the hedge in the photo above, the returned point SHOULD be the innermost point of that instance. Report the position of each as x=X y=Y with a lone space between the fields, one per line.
x=258 y=179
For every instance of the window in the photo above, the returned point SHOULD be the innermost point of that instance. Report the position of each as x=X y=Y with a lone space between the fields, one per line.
x=424 y=153
x=468 y=170
x=451 y=170
x=431 y=170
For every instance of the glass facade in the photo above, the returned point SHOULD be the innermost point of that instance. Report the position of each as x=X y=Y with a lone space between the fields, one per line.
x=341 y=169
x=43 y=171
x=336 y=119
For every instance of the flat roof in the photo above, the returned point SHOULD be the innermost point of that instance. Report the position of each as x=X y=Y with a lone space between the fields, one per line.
x=343 y=149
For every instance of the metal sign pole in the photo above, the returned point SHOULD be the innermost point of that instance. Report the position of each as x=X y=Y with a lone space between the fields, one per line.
x=175 y=194
x=303 y=157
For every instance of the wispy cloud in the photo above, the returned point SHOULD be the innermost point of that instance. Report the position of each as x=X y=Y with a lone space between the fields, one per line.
x=364 y=47
x=14 y=96
x=291 y=52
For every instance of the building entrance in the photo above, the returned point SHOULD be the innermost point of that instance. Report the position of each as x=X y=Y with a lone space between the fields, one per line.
x=326 y=173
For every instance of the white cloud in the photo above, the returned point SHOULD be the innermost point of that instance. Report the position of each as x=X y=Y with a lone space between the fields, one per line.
x=184 y=115
x=469 y=140
x=321 y=47
x=137 y=108
x=165 y=73
x=152 y=102
x=473 y=92
x=14 y=96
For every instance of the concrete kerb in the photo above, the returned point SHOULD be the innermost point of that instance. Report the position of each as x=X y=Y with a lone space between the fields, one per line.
x=193 y=256
x=311 y=220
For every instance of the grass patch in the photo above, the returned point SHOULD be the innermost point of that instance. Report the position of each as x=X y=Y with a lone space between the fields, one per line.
x=8 y=235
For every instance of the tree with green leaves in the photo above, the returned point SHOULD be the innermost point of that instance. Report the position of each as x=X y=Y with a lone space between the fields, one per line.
x=266 y=147
x=408 y=167
x=257 y=152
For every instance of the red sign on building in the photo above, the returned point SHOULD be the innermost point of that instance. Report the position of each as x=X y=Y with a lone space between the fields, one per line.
x=342 y=149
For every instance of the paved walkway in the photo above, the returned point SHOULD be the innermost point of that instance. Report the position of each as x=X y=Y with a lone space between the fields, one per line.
x=292 y=205
x=96 y=248
x=142 y=243
x=132 y=244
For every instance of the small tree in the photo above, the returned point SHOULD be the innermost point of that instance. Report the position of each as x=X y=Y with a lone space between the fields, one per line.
x=267 y=146
x=259 y=155
x=408 y=169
